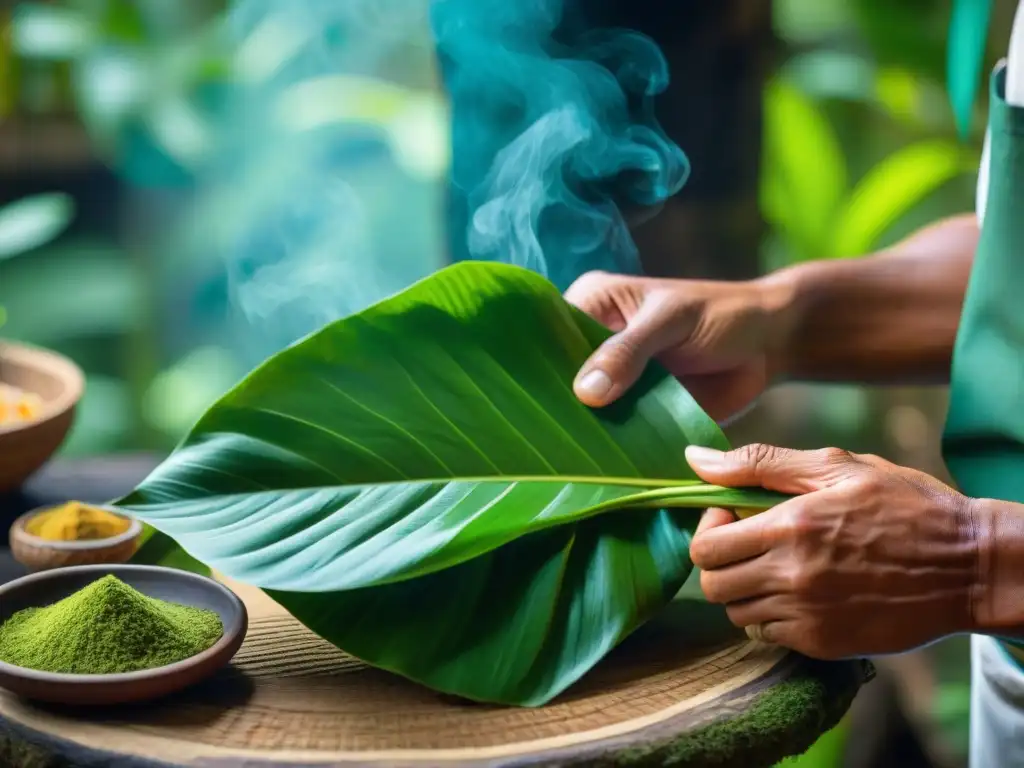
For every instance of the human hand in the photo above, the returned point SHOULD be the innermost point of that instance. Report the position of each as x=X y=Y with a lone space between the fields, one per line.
x=870 y=558
x=719 y=338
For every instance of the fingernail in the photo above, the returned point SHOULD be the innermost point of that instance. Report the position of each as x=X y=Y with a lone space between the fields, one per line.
x=707 y=458
x=595 y=384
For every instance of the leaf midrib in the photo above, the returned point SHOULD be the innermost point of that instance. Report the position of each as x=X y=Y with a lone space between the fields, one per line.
x=653 y=487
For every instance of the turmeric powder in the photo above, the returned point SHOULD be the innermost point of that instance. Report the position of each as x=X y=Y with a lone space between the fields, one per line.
x=74 y=521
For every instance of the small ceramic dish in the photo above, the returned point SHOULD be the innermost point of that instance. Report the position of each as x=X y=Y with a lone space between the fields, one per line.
x=39 y=554
x=41 y=589
x=59 y=383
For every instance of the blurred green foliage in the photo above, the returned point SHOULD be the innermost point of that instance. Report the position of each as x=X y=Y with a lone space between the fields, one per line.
x=860 y=148
x=169 y=95
x=860 y=141
x=30 y=223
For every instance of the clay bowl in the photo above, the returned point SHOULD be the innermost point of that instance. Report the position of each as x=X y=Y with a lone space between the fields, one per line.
x=42 y=589
x=38 y=554
x=24 y=448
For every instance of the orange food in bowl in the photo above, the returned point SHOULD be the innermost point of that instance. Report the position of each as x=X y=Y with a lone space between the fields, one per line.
x=18 y=406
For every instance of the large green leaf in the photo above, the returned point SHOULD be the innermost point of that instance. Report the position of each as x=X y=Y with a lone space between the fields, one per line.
x=419 y=485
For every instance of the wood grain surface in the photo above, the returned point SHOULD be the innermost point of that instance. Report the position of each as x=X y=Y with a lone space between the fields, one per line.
x=292 y=699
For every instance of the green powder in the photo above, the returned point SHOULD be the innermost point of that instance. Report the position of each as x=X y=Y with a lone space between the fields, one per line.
x=106 y=628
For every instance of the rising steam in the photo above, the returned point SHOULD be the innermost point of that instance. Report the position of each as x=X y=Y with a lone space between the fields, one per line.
x=553 y=131
x=325 y=193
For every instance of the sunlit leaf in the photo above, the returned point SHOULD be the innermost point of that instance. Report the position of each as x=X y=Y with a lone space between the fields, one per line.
x=827 y=752
x=111 y=87
x=50 y=32
x=831 y=74
x=178 y=396
x=33 y=221
x=271 y=45
x=804 y=174
x=899 y=91
x=342 y=98
x=805 y=21
x=179 y=128
x=418 y=484
x=892 y=188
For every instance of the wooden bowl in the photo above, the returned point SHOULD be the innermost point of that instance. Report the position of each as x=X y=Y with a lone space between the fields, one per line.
x=25 y=447
x=39 y=554
x=41 y=589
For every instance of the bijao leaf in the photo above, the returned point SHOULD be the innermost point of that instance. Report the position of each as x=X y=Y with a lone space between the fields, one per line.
x=419 y=485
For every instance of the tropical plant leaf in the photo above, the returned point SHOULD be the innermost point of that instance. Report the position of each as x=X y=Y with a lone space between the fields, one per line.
x=968 y=34
x=418 y=484
x=894 y=186
x=804 y=176
x=159 y=548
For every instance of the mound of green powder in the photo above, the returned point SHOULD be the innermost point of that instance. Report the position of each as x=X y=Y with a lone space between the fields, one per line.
x=104 y=628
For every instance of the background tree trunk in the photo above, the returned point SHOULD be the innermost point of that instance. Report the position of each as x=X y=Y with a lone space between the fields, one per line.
x=720 y=56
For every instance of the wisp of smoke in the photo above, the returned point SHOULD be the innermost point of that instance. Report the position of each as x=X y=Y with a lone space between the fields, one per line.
x=552 y=132
x=305 y=202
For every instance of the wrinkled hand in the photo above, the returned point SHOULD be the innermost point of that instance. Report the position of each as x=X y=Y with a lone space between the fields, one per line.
x=870 y=558
x=716 y=337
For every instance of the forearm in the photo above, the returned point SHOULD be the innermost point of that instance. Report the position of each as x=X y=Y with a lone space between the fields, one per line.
x=887 y=318
x=999 y=594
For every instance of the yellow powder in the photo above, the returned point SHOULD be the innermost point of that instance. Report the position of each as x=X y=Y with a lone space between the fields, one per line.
x=74 y=521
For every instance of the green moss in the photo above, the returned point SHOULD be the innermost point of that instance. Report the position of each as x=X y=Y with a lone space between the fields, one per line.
x=105 y=628
x=784 y=721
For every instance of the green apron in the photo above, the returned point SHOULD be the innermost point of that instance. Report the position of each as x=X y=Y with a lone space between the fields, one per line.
x=983 y=442
x=984 y=438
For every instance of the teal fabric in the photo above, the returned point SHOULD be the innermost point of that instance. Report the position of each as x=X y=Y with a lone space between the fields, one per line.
x=968 y=32
x=983 y=442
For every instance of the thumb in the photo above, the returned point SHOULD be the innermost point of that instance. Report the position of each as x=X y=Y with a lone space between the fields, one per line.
x=766 y=466
x=616 y=365
x=612 y=369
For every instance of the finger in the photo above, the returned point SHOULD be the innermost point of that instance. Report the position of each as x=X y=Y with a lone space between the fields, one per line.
x=744 y=581
x=713 y=518
x=612 y=369
x=589 y=292
x=767 y=466
x=616 y=365
x=771 y=632
x=758 y=610
x=723 y=545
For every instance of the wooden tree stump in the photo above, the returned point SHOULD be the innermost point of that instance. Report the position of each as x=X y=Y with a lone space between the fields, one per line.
x=685 y=690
